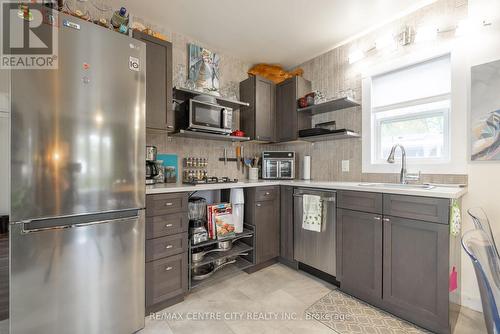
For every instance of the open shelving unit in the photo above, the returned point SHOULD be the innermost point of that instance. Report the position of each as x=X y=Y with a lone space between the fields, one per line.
x=325 y=107
x=227 y=271
x=332 y=105
x=245 y=245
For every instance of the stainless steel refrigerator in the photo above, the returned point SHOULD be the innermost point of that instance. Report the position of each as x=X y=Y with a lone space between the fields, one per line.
x=77 y=187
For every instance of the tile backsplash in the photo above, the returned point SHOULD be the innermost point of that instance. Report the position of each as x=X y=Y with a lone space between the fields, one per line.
x=330 y=73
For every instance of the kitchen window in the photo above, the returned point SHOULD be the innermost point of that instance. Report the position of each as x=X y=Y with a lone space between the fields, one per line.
x=410 y=106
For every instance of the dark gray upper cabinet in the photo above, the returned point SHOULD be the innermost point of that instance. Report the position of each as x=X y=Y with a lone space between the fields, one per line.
x=289 y=121
x=159 y=111
x=286 y=225
x=416 y=271
x=359 y=254
x=258 y=120
x=263 y=212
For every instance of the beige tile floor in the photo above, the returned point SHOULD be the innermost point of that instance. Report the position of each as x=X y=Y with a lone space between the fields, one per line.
x=274 y=289
x=277 y=289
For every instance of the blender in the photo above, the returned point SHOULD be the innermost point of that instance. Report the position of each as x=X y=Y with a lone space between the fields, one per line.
x=197 y=214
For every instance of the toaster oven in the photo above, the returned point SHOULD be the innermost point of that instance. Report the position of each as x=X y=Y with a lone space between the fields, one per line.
x=278 y=165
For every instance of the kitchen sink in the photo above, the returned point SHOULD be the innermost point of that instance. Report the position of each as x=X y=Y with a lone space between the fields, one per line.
x=398 y=185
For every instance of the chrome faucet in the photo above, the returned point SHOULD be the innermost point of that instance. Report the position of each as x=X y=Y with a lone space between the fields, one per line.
x=403 y=176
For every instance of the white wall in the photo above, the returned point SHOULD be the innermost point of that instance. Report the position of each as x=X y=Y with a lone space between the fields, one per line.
x=484 y=179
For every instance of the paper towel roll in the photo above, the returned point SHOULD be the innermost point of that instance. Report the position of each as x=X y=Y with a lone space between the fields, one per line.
x=306 y=167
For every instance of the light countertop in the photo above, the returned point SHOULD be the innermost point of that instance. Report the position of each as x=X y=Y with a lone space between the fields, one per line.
x=441 y=192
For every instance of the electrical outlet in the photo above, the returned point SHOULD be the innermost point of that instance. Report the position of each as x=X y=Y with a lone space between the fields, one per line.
x=345 y=165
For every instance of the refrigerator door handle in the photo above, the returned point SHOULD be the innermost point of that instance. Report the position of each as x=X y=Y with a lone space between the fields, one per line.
x=35 y=226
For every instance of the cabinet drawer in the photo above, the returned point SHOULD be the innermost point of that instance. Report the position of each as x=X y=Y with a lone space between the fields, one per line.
x=434 y=210
x=166 y=278
x=166 y=203
x=360 y=201
x=160 y=226
x=266 y=193
x=166 y=246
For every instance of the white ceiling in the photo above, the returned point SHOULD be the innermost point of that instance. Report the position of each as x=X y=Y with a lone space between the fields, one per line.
x=287 y=32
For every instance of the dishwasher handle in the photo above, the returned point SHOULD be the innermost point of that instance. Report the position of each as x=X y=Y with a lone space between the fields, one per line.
x=323 y=199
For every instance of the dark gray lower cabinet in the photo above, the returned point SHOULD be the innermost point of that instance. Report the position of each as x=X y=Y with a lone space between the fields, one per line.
x=359 y=254
x=397 y=257
x=416 y=271
x=262 y=211
x=286 y=225
x=166 y=250
x=267 y=221
x=165 y=279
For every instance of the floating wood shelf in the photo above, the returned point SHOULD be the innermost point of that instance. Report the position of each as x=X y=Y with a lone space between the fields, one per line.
x=331 y=136
x=209 y=136
x=332 y=105
x=181 y=93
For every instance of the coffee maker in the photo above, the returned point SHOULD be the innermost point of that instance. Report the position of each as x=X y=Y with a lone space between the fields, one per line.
x=151 y=166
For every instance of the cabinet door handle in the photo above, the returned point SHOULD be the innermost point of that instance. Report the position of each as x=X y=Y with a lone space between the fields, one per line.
x=169 y=204
x=376 y=218
x=258 y=205
x=386 y=219
x=168 y=268
x=168 y=225
x=168 y=246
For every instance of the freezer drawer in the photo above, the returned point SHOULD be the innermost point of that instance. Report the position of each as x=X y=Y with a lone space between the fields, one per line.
x=316 y=249
x=69 y=275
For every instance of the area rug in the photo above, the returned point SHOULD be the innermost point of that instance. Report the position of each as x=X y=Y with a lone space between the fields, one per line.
x=347 y=315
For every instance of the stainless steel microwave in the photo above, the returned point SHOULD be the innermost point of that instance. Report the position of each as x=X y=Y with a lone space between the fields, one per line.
x=278 y=165
x=209 y=117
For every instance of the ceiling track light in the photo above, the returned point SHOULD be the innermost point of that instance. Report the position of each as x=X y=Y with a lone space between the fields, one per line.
x=409 y=35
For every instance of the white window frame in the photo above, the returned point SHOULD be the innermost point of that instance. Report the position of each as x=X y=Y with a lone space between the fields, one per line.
x=376 y=137
x=455 y=162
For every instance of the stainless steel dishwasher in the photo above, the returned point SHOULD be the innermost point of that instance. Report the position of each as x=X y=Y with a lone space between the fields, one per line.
x=316 y=249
